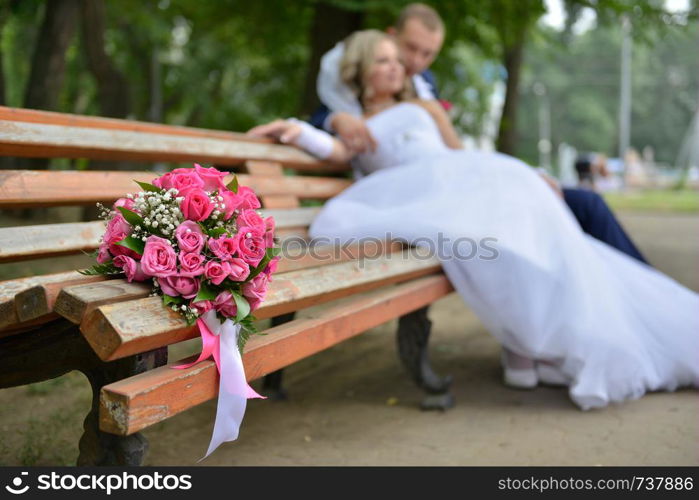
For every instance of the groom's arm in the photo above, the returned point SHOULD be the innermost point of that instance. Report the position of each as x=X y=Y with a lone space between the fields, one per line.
x=319 y=118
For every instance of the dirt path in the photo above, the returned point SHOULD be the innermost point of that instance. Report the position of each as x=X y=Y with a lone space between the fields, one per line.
x=353 y=404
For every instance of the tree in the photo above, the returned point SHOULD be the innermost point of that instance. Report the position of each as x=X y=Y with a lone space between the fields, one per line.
x=331 y=23
x=112 y=88
x=48 y=62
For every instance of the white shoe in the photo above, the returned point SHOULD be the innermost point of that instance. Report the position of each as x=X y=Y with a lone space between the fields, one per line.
x=551 y=374
x=518 y=378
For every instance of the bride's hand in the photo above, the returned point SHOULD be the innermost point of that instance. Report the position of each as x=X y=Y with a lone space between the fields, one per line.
x=283 y=130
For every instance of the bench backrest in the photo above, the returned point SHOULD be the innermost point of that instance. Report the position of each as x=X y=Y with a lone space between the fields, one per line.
x=278 y=173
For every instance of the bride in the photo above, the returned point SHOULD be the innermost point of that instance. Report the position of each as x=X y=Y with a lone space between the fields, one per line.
x=567 y=308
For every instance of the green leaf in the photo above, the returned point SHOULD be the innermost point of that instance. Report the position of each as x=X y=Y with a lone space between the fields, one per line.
x=247 y=329
x=233 y=185
x=269 y=255
x=101 y=269
x=131 y=217
x=133 y=244
x=215 y=232
x=243 y=306
x=169 y=300
x=205 y=293
x=148 y=187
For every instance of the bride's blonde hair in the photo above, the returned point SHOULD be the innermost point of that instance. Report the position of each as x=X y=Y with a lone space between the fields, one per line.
x=355 y=66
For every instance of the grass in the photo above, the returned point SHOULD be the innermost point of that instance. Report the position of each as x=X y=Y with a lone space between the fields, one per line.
x=683 y=201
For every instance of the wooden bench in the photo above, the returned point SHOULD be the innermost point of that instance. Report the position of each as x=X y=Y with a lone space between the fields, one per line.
x=117 y=335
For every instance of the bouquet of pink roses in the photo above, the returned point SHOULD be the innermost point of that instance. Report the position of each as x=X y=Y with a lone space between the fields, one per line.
x=203 y=244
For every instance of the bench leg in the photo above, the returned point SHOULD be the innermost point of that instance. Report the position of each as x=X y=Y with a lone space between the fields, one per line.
x=57 y=348
x=413 y=338
x=272 y=383
x=101 y=448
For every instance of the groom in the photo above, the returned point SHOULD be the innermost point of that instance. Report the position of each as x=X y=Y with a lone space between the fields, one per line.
x=419 y=33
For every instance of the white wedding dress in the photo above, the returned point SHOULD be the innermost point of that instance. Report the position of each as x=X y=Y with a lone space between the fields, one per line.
x=615 y=328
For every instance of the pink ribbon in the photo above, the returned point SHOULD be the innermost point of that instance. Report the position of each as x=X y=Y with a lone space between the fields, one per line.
x=233 y=386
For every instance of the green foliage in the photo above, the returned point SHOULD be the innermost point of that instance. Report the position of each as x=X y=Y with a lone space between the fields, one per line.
x=131 y=217
x=233 y=185
x=242 y=306
x=133 y=244
x=581 y=75
x=205 y=293
x=148 y=187
x=232 y=64
x=107 y=268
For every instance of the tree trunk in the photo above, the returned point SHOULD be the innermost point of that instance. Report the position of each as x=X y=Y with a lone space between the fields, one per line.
x=48 y=63
x=330 y=25
x=112 y=88
x=507 y=134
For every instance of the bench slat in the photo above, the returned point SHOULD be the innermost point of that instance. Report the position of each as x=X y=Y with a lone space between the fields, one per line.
x=306 y=162
x=10 y=288
x=135 y=403
x=39 y=300
x=48 y=240
x=76 y=302
x=125 y=328
x=32 y=188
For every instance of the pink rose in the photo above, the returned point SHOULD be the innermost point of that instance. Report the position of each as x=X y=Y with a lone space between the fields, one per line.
x=225 y=304
x=131 y=268
x=103 y=255
x=123 y=202
x=201 y=306
x=269 y=231
x=181 y=179
x=210 y=177
x=271 y=267
x=164 y=181
x=223 y=247
x=250 y=218
x=239 y=270
x=196 y=205
x=254 y=303
x=255 y=290
x=159 y=258
x=177 y=284
x=191 y=264
x=117 y=230
x=249 y=198
x=216 y=272
x=190 y=237
x=184 y=179
x=231 y=201
x=251 y=245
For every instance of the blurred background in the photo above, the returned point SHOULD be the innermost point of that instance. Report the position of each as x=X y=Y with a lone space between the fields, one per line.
x=599 y=92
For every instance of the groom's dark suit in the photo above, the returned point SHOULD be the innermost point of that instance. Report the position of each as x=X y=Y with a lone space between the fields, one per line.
x=591 y=211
